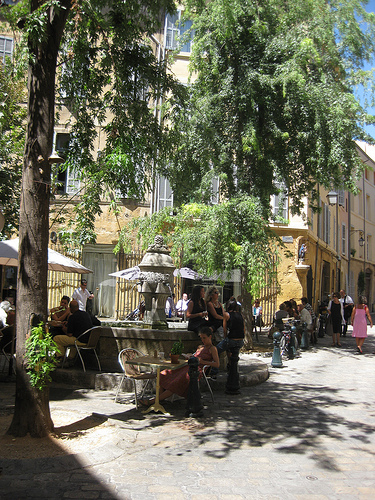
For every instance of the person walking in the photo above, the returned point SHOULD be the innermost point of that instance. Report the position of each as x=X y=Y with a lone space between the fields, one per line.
x=360 y=314
x=348 y=305
x=336 y=314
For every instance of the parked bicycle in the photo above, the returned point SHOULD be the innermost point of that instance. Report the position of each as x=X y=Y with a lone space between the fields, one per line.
x=288 y=342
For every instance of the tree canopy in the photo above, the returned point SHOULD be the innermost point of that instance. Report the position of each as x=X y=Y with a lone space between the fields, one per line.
x=272 y=97
x=217 y=239
x=12 y=139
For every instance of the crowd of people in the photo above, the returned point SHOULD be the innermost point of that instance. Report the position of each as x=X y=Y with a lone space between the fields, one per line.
x=340 y=310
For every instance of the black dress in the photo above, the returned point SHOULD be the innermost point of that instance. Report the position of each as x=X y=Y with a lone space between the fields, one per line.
x=195 y=324
x=336 y=317
x=215 y=323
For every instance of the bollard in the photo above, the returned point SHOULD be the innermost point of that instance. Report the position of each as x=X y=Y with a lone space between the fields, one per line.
x=292 y=347
x=276 y=356
x=233 y=380
x=194 y=405
x=305 y=337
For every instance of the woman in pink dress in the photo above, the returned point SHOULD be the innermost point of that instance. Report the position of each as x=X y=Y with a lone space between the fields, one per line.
x=359 y=318
x=177 y=381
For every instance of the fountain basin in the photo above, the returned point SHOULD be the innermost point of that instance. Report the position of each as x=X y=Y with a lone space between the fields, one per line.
x=146 y=340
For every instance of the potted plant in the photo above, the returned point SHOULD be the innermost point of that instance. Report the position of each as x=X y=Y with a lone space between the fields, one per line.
x=176 y=351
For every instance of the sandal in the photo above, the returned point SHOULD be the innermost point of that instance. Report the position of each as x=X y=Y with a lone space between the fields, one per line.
x=144 y=402
x=333 y=345
x=338 y=345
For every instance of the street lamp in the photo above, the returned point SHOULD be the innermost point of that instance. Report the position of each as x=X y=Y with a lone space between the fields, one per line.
x=361 y=240
x=333 y=199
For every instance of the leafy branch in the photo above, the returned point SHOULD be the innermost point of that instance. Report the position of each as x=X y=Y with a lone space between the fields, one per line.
x=39 y=359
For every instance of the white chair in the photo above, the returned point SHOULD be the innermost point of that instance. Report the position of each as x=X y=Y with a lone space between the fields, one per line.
x=91 y=345
x=205 y=371
x=133 y=372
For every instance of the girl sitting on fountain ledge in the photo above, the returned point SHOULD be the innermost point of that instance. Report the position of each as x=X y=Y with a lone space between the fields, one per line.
x=177 y=381
x=197 y=312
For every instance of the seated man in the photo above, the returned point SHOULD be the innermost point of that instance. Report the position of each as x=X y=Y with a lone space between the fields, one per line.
x=78 y=322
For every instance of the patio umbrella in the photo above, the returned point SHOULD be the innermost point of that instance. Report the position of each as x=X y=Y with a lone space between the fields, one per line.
x=186 y=272
x=56 y=261
x=132 y=273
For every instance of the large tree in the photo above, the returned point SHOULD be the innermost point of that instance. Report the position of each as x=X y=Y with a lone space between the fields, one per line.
x=272 y=97
x=102 y=38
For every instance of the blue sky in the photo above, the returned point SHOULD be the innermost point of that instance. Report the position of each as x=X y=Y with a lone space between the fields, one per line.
x=371 y=128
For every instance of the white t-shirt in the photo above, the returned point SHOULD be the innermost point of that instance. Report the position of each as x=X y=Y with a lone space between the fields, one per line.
x=305 y=316
x=81 y=297
x=182 y=305
x=3 y=318
x=347 y=299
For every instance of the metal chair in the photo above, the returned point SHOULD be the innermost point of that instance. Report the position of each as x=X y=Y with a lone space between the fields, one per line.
x=206 y=370
x=8 y=347
x=133 y=372
x=91 y=345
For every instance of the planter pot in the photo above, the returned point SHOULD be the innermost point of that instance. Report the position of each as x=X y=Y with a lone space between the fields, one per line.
x=174 y=359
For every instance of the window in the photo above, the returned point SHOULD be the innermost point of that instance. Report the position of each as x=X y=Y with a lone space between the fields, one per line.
x=319 y=228
x=368 y=247
x=6 y=48
x=343 y=239
x=341 y=194
x=360 y=202
x=326 y=223
x=336 y=237
x=175 y=30
x=368 y=207
x=67 y=180
x=279 y=203
x=164 y=194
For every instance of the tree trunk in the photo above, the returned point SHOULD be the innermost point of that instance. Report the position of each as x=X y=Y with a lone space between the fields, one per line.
x=247 y=310
x=32 y=413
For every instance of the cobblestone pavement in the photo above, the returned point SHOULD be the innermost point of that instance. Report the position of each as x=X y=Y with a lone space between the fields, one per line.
x=305 y=433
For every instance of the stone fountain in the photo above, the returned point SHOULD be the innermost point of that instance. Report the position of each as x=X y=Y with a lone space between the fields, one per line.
x=155 y=282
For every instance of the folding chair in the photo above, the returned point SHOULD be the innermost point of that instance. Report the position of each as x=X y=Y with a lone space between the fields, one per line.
x=91 y=345
x=133 y=372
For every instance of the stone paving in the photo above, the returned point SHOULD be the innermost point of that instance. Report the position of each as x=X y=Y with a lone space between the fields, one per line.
x=305 y=433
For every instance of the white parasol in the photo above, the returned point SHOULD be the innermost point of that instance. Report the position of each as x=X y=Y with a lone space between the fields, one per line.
x=56 y=261
x=186 y=272
x=132 y=273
